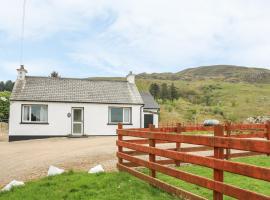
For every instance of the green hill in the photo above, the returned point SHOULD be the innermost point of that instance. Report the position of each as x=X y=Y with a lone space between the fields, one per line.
x=221 y=92
x=207 y=99
x=228 y=73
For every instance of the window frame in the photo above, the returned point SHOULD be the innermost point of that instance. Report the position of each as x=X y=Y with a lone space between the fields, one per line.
x=123 y=116
x=30 y=111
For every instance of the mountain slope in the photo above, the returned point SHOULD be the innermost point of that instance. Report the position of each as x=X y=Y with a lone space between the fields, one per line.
x=228 y=73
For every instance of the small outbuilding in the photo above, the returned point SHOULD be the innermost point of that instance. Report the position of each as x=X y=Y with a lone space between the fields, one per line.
x=150 y=109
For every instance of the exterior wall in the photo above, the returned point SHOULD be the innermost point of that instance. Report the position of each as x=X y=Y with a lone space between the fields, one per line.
x=59 y=124
x=155 y=116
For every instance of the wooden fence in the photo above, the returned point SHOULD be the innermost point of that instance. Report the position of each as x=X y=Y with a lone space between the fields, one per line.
x=127 y=159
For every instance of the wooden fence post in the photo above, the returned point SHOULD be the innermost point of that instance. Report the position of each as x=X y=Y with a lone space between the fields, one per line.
x=152 y=157
x=120 y=138
x=228 y=134
x=268 y=132
x=218 y=154
x=178 y=144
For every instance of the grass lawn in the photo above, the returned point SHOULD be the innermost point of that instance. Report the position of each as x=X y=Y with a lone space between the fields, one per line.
x=117 y=186
x=255 y=185
x=112 y=186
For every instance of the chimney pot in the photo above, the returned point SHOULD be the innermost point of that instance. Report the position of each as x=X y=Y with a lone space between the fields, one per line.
x=131 y=78
x=21 y=73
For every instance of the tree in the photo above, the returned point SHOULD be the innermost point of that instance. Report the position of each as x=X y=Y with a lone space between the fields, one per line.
x=155 y=90
x=2 y=86
x=9 y=85
x=164 y=93
x=55 y=74
x=6 y=86
x=173 y=92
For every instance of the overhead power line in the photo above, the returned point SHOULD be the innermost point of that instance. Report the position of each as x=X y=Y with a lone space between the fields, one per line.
x=22 y=33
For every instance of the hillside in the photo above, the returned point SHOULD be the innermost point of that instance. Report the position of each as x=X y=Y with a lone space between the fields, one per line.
x=228 y=73
x=221 y=92
x=206 y=99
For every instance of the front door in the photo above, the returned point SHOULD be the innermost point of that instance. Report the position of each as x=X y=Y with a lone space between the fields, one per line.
x=148 y=119
x=77 y=121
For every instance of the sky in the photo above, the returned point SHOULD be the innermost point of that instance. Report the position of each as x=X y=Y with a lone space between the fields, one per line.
x=84 y=38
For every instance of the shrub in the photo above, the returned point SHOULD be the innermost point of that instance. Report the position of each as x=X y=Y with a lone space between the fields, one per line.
x=233 y=103
x=190 y=115
x=4 y=105
x=218 y=111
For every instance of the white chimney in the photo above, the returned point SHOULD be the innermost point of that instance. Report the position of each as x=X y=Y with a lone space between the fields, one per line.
x=131 y=77
x=21 y=73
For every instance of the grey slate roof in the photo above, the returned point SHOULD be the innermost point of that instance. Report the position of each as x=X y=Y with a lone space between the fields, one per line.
x=149 y=101
x=75 y=90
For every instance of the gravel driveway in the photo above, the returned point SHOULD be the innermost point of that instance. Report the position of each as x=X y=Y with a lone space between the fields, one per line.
x=30 y=159
x=26 y=160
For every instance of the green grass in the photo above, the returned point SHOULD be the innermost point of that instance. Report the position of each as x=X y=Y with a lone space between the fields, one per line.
x=113 y=186
x=255 y=185
x=117 y=186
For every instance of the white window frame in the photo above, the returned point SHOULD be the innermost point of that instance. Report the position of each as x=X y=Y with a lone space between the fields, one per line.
x=30 y=111
x=123 y=110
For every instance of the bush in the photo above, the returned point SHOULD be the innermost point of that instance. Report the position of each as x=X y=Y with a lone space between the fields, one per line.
x=231 y=117
x=217 y=111
x=4 y=105
x=190 y=115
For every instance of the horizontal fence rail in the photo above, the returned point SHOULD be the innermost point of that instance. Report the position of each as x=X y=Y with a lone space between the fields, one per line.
x=251 y=139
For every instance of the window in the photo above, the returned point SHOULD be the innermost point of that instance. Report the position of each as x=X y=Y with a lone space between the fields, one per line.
x=35 y=113
x=119 y=115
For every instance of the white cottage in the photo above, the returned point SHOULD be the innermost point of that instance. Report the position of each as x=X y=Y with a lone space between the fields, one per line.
x=43 y=107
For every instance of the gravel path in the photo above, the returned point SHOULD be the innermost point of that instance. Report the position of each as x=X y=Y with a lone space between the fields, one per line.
x=26 y=160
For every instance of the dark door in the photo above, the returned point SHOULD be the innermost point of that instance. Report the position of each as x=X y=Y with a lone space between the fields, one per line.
x=148 y=119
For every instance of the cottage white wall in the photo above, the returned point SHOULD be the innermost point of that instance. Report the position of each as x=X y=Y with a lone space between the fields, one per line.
x=95 y=119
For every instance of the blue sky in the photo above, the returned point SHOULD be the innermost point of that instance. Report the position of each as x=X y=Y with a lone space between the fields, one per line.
x=83 y=38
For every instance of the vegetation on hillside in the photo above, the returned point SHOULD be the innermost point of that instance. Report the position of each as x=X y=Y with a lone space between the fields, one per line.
x=163 y=91
x=228 y=73
x=204 y=99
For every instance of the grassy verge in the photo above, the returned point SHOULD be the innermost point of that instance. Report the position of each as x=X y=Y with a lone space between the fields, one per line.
x=233 y=179
x=113 y=186
x=117 y=186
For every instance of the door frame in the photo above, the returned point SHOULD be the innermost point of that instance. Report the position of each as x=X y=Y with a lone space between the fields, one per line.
x=72 y=115
x=149 y=114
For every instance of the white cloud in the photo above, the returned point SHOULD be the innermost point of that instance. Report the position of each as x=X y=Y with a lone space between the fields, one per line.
x=34 y=67
x=149 y=35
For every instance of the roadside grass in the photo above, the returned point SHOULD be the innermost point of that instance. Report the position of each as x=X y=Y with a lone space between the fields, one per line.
x=81 y=185
x=117 y=186
x=259 y=186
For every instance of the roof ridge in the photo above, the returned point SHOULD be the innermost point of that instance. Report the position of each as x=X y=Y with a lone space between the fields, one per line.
x=38 y=88
x=81 y=79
